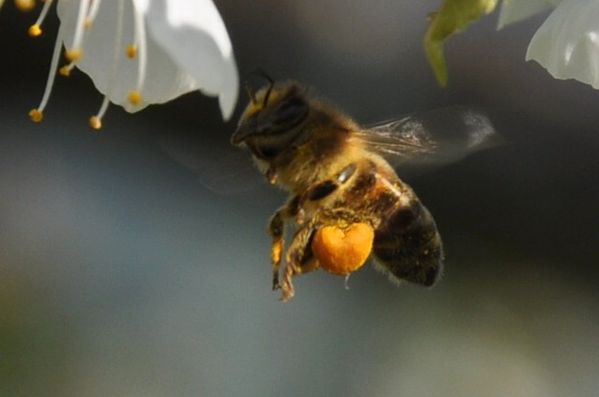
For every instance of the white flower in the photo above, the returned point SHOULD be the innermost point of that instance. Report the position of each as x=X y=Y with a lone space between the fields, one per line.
x=518 y=10
x=567 y=43
x=142 y=52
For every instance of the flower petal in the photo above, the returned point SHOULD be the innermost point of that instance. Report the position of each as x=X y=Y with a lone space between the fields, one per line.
x=567 y=44
x=105 y=62
x=518 y=10
x=193 y=33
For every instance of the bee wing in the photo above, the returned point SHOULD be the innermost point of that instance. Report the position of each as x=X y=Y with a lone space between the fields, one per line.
x=431 y=139
x=220 y=167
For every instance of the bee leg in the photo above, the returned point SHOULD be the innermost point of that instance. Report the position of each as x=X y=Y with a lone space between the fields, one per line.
x=309 y=263
x=276 y=229
x=299 y=259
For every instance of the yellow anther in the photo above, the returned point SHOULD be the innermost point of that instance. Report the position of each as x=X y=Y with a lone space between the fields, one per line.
x=88 y=23
x=134 y=97
x=95 y=122
x=35 y=30
x=131 y=51
x=65 y=70
x=36 y=115
x=25 y=5
x=73 y=54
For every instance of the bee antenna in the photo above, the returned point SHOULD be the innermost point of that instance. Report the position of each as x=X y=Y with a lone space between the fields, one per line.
x=271 y=83
x=268 y=91
x=251 y=93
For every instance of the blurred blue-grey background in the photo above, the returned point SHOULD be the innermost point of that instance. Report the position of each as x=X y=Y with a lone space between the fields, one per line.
x=122 y=274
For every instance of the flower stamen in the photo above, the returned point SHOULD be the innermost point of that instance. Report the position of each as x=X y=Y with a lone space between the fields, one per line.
x=117 y=46
x=37 y=114
x=139 y=38
x=35 y=30
x=134 y=97
x=131 y=51
x=75 y=52
x=95 y=121
x=91 y=15
x=65 y=70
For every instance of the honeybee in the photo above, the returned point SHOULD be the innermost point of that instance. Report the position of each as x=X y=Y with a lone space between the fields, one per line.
x=338 y=175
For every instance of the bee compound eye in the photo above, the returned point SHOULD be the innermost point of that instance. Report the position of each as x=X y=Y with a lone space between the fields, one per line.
x=291 y=110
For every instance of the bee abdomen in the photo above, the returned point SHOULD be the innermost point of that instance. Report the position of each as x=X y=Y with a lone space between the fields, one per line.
x=408 y=245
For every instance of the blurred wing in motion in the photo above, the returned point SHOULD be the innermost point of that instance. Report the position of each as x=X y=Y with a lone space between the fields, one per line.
x=431 y=139
x=413 y=144
x=222 y=169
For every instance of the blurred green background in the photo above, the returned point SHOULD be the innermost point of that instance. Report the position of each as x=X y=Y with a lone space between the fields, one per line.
x=122 y=274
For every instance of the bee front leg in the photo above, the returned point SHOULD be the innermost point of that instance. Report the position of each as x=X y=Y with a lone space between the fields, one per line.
x=299 y=259
x=276 y=228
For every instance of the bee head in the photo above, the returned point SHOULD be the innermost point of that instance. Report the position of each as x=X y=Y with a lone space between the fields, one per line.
x=273 y=119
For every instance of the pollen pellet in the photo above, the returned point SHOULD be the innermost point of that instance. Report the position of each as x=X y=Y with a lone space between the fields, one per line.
x=343 y=251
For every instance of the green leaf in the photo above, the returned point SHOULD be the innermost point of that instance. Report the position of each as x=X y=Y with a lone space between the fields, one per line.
x=453 y=17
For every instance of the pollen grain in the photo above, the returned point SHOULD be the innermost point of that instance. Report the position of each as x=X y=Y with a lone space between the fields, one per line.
x=131 y=51
x=134 y=97
x=74 y=54
x=36 y=115
x=65 y=70
x=34 y=30
x=95 y=122
x=25 y=5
